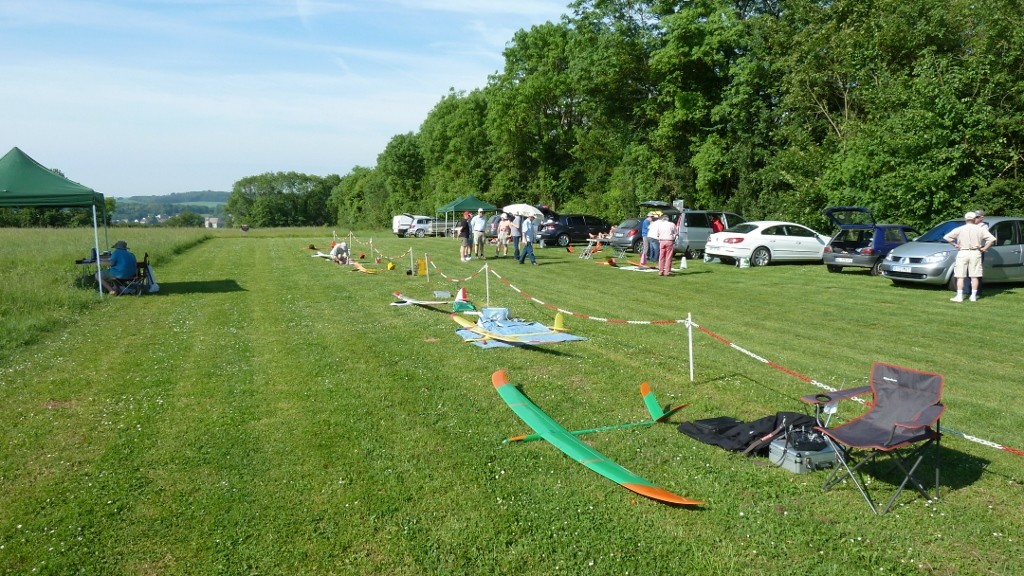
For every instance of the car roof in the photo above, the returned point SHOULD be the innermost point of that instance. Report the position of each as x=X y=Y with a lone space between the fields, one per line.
x=770 y=223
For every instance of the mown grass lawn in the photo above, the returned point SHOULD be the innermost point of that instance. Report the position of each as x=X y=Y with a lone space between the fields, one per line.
x=270 y=413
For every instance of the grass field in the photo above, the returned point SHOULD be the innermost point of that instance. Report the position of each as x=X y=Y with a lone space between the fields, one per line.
x=270 y=413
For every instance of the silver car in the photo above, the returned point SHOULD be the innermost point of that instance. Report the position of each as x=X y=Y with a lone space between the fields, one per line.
x=929 y=259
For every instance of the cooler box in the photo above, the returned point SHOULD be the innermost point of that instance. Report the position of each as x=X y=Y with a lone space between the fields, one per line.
x=789 y=456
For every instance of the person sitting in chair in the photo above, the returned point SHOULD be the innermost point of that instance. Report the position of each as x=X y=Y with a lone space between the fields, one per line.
x=122 y=265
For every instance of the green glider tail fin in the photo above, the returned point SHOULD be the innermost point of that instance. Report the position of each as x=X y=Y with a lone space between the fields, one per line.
x=658 y=414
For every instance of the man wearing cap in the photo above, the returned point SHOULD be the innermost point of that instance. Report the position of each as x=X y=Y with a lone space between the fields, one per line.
x=478 y=223
x=122 y=265
x=529 y=237
x=663 y=231
x=645 y=248
x=971 y=240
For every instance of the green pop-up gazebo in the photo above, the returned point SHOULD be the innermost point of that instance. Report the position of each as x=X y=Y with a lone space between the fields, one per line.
x=467 y=203
x=25 y=183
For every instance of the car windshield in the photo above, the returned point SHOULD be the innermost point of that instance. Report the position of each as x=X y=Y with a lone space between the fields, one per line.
x=629 y=223
x=936 y=233
x=742 y=228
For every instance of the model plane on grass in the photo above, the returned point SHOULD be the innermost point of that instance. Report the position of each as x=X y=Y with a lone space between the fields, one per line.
x=357 y=267
x=571 y=445
x=495 y=330
x=459 y=304
x=404 y=300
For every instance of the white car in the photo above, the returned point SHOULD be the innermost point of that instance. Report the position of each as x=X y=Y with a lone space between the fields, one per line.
x=767 y=241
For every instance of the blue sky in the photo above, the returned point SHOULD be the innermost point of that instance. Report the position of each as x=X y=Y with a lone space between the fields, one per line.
x=142 y=97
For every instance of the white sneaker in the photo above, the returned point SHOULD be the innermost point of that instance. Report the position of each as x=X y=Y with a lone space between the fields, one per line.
x=974 y=298
x=957 y=298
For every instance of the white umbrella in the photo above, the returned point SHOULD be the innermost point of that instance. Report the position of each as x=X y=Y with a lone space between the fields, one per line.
x=523 y=210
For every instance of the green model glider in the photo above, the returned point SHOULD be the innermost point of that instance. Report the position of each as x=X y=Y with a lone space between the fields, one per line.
x=568 y=443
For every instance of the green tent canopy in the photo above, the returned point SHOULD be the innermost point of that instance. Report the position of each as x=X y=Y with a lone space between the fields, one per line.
x=25 y=183
x=471 y=203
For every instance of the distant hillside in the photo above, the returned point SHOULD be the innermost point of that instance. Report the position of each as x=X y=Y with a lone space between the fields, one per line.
x=157 y=208
x=200 y=197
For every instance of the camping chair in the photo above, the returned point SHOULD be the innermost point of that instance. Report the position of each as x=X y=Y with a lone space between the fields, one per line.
x=136 y=284
x=901 y=424
x=593 y=247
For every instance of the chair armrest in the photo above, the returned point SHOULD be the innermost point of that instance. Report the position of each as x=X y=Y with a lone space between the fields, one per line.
x=829 y=397
x=926 y=417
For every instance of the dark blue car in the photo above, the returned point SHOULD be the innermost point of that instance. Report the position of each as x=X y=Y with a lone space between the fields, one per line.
x=860 y=241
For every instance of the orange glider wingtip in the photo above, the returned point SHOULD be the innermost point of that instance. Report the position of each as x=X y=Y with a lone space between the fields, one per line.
x=661 y=495
x=499 y=378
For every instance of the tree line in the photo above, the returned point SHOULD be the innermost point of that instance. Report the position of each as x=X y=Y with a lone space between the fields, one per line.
x=769 y=108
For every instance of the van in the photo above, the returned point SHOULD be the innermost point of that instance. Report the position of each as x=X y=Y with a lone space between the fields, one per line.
x=693 y=235
x=400 y=224
x=403 y=225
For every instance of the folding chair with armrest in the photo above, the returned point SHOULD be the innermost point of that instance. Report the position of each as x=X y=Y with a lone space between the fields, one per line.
x=901 y=424
x=136 y=284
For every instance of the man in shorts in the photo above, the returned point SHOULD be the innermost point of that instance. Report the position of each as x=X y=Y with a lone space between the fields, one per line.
x=478 y=223
x=465 y=234
x=971 y=240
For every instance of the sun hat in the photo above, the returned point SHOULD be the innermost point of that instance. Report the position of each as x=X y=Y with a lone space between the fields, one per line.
x=120 y=244
x=970 y=216
x=480 y=210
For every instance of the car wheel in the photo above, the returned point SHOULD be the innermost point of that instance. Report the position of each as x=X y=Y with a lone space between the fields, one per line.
x=760 y=256
x=563 y=240
x=833 y=268
x=420 y=233
x=952 y=283
x=876 y=268
x=638 y=245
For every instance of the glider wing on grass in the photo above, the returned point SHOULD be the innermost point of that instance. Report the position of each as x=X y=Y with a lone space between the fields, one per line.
x=575 y=448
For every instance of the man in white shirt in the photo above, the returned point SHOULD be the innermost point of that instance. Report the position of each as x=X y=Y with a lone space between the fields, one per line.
x=529 y=237
x=664 y=231
x=971 y=240
x=479 y=239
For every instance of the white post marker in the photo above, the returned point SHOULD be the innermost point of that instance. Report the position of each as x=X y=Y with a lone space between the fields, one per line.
x=689 y=337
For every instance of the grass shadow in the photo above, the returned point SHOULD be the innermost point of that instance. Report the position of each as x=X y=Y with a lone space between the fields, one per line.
x=199 y=287
x=957 y=470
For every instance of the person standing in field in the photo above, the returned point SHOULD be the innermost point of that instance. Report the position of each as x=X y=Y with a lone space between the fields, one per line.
x=664 y=232
x=479 y=238
x=645 y=248
x=465 y=234
x=971 y=241
x=504 y=230
x=529 y=237
x=516 y=234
